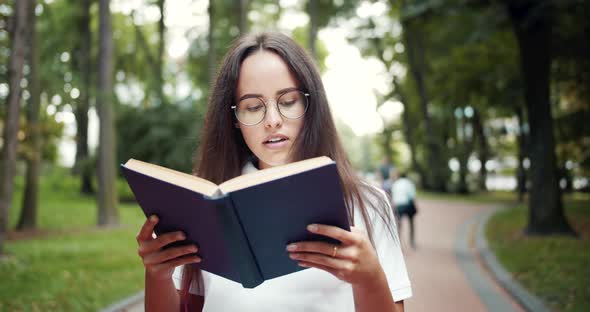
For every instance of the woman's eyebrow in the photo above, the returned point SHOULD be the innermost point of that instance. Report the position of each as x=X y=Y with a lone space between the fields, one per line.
x=281 y=91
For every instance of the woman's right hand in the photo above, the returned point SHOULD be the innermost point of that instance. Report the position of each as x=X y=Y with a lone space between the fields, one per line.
x=158 y=262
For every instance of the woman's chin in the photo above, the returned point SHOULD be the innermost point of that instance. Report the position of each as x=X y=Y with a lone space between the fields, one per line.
x=272 y=162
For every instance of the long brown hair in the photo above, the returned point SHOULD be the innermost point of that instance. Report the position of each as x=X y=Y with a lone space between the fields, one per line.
x=223 y=151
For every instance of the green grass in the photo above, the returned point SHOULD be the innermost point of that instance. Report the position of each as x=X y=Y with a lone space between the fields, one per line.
x=70 y=265
x=499 y=197
x=554 y=268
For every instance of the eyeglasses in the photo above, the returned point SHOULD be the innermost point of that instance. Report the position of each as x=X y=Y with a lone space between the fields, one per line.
x=291 y=105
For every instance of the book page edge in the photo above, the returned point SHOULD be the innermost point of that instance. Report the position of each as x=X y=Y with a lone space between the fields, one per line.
x=274 y=173
x=168 y=175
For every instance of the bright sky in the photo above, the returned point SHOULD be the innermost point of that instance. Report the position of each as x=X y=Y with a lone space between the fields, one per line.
x=350 y=80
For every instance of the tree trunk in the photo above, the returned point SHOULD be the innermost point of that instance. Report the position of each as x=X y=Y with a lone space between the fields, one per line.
x=464 y=150
x=407 y=128
x=159 y=79
x=521 y=178
x=462 y=188
x=386 y=140
x=313 y=27
x=28 y=217
x=211 y=42
x=11 y=118
x=107 y=194
x=532 y=24
x=154 y=64
x=484 y=151
x=82 y=61
x=243 y=16
x=416 y=61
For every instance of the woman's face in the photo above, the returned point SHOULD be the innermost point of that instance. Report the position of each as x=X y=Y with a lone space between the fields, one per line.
x=265 y=75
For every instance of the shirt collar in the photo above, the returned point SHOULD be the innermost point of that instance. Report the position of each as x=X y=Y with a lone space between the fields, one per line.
x=249 y=168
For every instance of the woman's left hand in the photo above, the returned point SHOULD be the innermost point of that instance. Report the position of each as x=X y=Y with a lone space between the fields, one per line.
x=354 y=260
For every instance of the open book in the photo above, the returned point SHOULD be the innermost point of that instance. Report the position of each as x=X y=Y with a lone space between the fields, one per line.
x=243 y=226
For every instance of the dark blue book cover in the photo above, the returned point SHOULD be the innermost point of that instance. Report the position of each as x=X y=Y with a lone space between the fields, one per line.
x=181 y=209
x=277 y=213
x=242 y=235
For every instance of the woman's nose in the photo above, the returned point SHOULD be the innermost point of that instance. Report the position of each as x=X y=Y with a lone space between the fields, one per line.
x=273 y=118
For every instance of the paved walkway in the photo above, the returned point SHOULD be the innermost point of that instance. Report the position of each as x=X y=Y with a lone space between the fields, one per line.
x=437 y=266
x=446 y=273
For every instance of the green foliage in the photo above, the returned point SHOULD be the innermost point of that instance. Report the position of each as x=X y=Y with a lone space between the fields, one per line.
x=571 y=86
x=135 y=58
x=327 y=10
x=5 y=9
x=225 y=31
x=571 y=47
x=301 y=36
x=51 y=132
x=264 y=14
x=50 y=129
x=164 y=135
x=56 y=74
x=554 y=268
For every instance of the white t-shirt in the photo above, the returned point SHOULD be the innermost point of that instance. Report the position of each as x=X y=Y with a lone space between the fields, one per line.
x=307 y=290
x=403 y=190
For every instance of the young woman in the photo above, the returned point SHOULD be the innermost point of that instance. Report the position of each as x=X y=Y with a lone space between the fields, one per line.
x=267 y=108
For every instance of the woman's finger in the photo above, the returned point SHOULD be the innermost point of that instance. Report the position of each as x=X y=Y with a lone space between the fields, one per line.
x=334 y=232
x=161 y=241
x=168 y=238
x=171 y=264
x=169 y=254
x=145 y=233
x=331 y=250
x=320 y=259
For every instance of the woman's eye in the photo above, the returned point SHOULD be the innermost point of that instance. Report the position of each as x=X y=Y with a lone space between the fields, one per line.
x=288 y=103
x=254 y=108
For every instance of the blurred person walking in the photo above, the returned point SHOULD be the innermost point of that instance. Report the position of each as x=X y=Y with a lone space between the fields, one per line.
x=404 y=199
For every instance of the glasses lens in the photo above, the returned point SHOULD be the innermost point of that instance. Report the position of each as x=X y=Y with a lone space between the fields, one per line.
x=292 y=104
x=250 y=111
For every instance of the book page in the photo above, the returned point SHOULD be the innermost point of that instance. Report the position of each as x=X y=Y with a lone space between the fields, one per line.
x=173 y=177
x=274 y=173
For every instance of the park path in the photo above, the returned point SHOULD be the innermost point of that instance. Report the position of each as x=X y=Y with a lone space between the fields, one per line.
x=445 y=269
x=439 y=280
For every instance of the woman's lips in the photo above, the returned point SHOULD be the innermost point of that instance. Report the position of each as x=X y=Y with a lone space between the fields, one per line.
x=276 y=144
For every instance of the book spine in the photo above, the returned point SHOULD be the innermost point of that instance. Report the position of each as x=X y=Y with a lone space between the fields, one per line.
x=238 y=245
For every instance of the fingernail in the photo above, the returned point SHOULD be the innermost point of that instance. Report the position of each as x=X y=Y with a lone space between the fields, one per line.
x=153 y=218
x=182 y=236
x=197 y=260
x=303 y=265
x=291 y=247
x=312 y=227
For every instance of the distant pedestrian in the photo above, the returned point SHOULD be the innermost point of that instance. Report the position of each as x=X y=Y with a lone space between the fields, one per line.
x=404 y=199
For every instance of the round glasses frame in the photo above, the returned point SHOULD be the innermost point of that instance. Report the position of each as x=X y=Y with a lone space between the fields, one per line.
x=305 y=96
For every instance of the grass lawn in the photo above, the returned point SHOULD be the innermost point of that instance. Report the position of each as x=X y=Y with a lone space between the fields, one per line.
x=70 y=264
x=498 y=197
x=554 y=268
